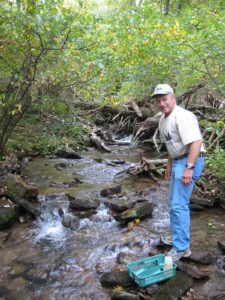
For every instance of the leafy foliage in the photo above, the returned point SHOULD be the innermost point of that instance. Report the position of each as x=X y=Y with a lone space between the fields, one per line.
x=105 y=54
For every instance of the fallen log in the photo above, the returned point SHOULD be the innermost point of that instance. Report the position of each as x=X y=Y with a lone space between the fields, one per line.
x=155 y=167
x=21 y=193
x=96 y=140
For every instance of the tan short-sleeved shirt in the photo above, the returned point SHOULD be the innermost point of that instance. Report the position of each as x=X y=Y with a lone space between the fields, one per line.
x=178 y=130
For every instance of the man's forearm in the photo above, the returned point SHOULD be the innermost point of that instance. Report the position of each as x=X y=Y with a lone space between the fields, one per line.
x=194 y=151
x=170 y=161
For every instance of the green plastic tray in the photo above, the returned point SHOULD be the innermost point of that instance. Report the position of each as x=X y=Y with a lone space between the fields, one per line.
x=150 y=270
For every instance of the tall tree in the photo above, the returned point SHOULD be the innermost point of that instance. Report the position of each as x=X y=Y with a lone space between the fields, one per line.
x=166 y=7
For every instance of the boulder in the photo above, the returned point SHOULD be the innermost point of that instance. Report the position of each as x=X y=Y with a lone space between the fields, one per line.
x=118 y=162
x=70 y=221
x=191 y=271
x=68 y=153
x=121 y=295
x=221 y=244
x=116 y=278
x=110 y=191
x=176 y=287
x=119 y=205
x=8 y=215
x=82 y=204
x=196 y=207
x=139 y=211
x=204 y=258
x=212 y=289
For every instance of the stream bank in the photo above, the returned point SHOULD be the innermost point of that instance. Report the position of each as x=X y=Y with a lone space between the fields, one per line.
x=42 y=259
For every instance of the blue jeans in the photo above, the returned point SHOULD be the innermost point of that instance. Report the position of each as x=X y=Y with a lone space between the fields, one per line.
x=179 y=199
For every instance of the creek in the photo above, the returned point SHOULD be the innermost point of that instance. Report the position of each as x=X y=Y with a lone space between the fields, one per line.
x=42 y=259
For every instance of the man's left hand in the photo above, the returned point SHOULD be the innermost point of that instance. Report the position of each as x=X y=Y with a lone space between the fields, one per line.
x=187 y=177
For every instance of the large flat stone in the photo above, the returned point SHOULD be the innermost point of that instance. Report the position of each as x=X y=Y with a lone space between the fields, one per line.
x=116 y=278
x=82 y=204
x=139 y=211
x=176 y=287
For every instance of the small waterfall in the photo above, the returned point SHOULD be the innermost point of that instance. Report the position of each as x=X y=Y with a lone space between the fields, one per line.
x=49 y=225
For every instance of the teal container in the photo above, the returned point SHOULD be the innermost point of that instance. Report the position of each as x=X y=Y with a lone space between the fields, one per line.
x=150 y=270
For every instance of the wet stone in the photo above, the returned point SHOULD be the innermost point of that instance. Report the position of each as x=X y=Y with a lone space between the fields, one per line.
x=68 y=153
x=196 y=207
x=110 y=191
x=212 y=289
x=70 y=221
x=204 y=258
x=139 y=211
x=176 y=287
x=191 y=271
x=82 y=204
x=116 y=278
x=119 y=205
x=8 y=215
x=119 y=162
x=121 y=258
x=221 y=244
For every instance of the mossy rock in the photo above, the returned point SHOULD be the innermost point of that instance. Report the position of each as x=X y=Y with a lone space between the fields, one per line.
x=176 y=287
x=8 y=215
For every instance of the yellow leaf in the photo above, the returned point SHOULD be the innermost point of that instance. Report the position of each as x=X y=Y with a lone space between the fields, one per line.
x=113 y=101
x=129 y=36
x=19 y=107
x=136 y=222
x=47 y=26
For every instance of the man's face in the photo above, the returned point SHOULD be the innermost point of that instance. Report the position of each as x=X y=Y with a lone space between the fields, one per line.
x=166 y=103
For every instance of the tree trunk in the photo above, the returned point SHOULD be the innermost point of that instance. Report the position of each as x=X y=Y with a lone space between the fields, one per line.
x=166 y=7
x=179 y=6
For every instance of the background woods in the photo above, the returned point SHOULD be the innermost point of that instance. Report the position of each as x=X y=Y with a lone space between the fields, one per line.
x=60 y=58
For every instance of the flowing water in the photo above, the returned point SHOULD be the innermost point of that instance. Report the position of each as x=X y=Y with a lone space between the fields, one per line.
x=42 y=259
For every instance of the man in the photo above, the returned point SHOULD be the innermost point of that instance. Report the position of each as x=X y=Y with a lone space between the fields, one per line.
x=179 y=130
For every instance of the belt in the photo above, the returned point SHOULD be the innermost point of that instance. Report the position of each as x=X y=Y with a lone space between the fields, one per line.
x=201 y=154
x=181 y=157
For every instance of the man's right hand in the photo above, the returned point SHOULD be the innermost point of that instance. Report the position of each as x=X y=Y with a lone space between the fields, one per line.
x=168 y=174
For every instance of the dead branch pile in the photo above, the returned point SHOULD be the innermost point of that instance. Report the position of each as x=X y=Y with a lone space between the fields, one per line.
x=154 y=167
